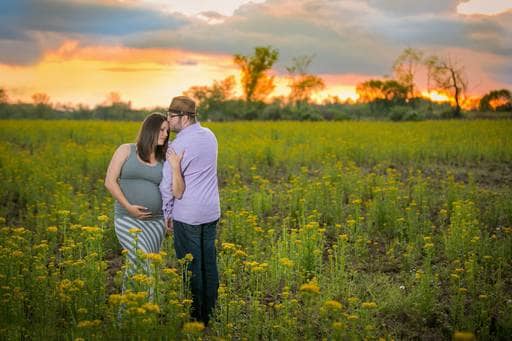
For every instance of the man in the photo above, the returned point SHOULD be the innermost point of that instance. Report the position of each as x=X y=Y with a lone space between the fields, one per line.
x=194 y=216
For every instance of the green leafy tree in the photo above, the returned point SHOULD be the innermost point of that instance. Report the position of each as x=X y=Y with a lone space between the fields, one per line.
x=385 y=90
x=212 y=98
x=496 y=100
x=381 y=94
x=256 y=83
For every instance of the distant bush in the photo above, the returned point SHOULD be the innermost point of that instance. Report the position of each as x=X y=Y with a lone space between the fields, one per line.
x=236 y=109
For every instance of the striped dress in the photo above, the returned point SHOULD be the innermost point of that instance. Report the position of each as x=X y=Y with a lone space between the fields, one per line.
x=139 y=183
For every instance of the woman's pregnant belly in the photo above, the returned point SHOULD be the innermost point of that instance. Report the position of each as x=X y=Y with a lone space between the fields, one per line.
x=142 y=192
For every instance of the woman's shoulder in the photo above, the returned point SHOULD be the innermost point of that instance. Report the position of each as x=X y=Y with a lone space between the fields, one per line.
x=124 y=150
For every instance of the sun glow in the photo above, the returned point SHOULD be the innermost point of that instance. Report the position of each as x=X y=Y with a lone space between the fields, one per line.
x=436 y=96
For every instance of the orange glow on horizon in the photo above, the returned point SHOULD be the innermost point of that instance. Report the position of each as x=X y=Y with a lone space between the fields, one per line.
x=73 y=74
x=145 y=77
x=436 y=96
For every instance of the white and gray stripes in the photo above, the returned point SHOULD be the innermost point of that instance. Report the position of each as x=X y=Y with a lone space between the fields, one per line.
x=149 y=240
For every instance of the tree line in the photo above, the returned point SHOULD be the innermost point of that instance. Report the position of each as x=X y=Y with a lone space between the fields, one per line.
x=396 y=97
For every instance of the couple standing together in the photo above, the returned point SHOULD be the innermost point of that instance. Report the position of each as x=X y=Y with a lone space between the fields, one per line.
x=175 y=188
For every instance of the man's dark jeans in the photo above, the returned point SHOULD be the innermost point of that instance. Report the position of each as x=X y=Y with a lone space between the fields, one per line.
x=199 y=240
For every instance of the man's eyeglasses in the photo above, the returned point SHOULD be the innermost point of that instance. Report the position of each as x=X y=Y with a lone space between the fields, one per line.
x=171 y=114
x=174 y=115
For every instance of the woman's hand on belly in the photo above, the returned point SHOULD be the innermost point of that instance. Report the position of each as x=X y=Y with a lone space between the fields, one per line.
x=139 y=212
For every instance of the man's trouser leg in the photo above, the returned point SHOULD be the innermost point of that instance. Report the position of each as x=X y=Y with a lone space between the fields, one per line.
x=187 y=239
x=210 y=272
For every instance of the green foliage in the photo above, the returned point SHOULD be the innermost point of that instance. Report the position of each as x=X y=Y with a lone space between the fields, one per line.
x=496 y=100
x=256 y=83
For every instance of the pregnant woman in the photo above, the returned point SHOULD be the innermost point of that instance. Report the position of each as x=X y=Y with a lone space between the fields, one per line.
x=133 y=176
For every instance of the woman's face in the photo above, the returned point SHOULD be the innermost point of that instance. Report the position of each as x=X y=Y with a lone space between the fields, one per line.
x=164 y=131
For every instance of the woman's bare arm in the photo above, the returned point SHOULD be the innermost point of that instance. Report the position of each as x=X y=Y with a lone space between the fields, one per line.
x=113 y=172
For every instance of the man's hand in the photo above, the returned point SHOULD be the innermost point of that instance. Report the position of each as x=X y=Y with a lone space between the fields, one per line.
x=174 y=159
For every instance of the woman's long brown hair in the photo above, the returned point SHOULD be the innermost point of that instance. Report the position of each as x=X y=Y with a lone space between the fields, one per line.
x=147 y=139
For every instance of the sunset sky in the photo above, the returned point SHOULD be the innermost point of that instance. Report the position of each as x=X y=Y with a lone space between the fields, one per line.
x=78 y=51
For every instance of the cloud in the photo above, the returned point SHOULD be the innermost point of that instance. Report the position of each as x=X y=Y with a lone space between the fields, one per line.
x=346 y=37
x=24 y=22
x=417 y=7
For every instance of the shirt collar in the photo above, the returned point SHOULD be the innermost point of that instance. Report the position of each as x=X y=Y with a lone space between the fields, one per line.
x=190 y=128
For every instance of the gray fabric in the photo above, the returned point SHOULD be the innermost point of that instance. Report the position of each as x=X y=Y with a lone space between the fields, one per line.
x=139 y=183
x=149 y=240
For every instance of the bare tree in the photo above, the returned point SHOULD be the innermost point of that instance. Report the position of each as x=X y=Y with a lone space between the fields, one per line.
x=405 y=68
x=430 y=64
x=303 y=84
x=449 y=75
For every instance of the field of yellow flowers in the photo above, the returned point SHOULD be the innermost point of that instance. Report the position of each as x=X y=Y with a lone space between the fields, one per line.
x=345 y=230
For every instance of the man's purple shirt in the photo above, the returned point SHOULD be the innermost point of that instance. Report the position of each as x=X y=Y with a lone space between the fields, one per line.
x=200 y=202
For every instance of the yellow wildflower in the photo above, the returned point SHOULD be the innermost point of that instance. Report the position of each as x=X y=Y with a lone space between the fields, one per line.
x=353 y=300
x=103 y=218
x=154 y=257
x=286 y=262
x=429 y=246
x=170 y=271
x=17 y=254
x=228 y=246
x=310 y=287
x=89 y=324
x=151 y=307
x=337 y=326
x=52 y=229
x=332 y=305
x=369 y=305
x=463 y=336
x=135 y=230
x=63 y=213
x=357 y=201
x=141 y=278
x=240 y=253
x=193 y=327
x=91 y=229
x=19 y=230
